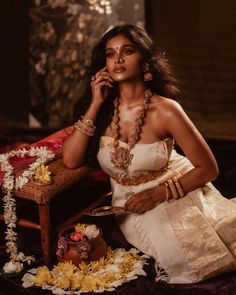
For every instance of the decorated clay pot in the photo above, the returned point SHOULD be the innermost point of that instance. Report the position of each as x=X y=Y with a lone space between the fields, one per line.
x=86 y=250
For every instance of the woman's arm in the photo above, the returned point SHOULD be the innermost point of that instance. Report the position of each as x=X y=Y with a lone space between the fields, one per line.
x=75 y=147
x=194 y=147
x=178 y=125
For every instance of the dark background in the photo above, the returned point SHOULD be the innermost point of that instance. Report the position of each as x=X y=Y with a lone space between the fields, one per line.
x=14 y=24
x=198 y=37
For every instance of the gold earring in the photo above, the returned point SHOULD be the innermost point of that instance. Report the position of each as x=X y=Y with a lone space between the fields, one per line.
x=147 y=76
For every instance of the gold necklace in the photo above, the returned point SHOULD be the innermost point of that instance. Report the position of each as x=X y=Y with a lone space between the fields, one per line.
x=121 y=157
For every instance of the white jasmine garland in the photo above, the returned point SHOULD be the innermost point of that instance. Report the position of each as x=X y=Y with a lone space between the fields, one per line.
x=10 y=184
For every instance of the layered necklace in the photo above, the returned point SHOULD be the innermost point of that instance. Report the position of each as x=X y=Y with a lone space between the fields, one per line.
x=121 y=157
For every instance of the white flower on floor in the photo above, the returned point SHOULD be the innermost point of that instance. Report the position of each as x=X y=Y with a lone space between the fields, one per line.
x=12 y=266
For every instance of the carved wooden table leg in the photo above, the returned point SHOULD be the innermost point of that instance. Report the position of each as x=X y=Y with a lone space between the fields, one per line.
x=45 y=225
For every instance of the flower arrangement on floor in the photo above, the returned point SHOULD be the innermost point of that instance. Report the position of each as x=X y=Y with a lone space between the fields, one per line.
x=42 y=155
x=107 y=273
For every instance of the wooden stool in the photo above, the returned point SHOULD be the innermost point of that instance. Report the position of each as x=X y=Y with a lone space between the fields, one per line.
x=42 y=195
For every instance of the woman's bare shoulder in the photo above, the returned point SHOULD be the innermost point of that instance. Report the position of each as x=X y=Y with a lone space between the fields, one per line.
x=166 y=106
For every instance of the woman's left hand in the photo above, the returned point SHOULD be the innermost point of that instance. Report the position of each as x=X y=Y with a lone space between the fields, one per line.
x=143 y=201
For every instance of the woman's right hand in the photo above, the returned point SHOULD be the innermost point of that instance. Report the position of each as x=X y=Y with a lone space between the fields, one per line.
x=75 y=147
x=100 y=85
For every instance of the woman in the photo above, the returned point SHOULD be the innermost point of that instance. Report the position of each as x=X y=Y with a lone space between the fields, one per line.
x=173 y=213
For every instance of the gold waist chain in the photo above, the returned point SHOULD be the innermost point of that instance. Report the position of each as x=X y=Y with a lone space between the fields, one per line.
x=142 y=178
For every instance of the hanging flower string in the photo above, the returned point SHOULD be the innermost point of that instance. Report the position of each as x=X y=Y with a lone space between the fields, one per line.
x=10 y=184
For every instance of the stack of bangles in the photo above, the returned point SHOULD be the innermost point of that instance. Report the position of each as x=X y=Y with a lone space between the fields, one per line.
x=85 y=126
x=174 y=187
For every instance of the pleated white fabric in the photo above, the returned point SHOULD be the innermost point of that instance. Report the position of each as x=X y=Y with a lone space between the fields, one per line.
x=192 y=238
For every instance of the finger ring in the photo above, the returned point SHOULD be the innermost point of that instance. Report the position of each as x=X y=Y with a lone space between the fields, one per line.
x=93 y=78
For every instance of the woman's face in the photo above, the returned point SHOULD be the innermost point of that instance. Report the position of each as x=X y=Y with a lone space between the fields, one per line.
x=123 y=60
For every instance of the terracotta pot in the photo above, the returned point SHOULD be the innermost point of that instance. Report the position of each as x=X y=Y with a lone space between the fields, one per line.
x=76 y=252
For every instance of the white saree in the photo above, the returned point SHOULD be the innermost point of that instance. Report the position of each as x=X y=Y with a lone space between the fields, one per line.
x=191 y=238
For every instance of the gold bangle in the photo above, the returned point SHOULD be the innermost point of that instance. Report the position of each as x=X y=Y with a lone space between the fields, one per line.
x=88 y=122
x=172 y=189
x=86 y=127
x=83 y=128
x=167 y=191
x=178 y=187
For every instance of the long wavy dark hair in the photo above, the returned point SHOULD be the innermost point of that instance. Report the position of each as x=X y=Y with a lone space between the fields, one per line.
x=163 y=83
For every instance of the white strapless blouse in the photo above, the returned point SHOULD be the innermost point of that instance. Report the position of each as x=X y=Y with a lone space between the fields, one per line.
x=191 y=238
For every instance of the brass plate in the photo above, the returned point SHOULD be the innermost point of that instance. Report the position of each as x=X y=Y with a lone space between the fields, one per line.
x=105 y=210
